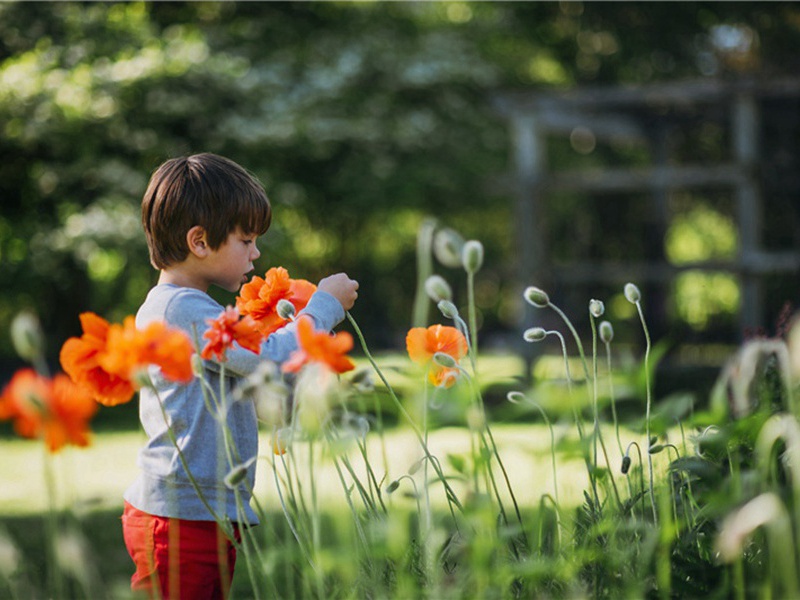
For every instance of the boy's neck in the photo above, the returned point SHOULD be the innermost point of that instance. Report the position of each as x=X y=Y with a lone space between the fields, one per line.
x=181 y=278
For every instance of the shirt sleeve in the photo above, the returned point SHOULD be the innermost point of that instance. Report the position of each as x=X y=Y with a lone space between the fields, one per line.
x=191 y=312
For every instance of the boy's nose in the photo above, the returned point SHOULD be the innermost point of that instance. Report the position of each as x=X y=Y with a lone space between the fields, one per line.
x=256 y=252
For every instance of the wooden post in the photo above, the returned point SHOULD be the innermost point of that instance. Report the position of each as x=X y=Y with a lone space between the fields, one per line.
x=745 y=129
x=529 y=163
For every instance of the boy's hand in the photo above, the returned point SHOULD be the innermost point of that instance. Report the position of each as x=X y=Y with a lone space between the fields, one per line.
x=341 y=287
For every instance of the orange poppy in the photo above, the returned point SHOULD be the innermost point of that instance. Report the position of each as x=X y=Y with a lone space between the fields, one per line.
x=423 y=343
x=259 y=298
x=79 y=359
x=320 y=347
x=228 y=328
x=106 y=358
x=56 y=410
x=129 y=350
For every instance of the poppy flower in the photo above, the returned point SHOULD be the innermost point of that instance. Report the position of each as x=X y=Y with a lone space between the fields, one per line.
x=129 y=350
x=79 y=359
x=56 y=410
x=423 y=343
x=320 y=347
x=106 y=358
x=228 y=328
x=259 y=298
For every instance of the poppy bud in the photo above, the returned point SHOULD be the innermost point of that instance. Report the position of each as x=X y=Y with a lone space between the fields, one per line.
x=444 y=360
x=235 y=476
x=438 y=289
x=285 y=309
x=516 y=397
x=448 y=309
x=632 y=293
x=536 y=296
x=626 y=464
x=197 y=365
x=606 y=332
x=26 y=335
x=596 y=308
x=141 y=378
x=534 y=334
x=392 y=487
x=447 y=245
x=472 y=256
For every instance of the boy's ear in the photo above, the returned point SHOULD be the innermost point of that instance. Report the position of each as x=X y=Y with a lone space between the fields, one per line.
x=197 y=242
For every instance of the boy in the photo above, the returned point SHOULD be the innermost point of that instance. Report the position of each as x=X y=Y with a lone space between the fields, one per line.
x=202 y=215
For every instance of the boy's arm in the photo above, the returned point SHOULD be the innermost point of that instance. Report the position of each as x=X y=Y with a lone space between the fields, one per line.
x=323 y=308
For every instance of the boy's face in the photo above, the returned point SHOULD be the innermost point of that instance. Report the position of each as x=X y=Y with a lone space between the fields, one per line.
x=229 y=265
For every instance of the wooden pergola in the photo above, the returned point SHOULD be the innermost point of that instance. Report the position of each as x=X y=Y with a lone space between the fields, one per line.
x=646 y=114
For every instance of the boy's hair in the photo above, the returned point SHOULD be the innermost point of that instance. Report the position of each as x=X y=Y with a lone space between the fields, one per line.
x=206 y=190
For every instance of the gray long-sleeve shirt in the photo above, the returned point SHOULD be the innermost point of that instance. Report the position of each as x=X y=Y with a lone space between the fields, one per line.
x=163 y=487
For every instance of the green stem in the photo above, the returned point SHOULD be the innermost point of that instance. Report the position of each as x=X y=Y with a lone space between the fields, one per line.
x=450 y=493
x=649 y=401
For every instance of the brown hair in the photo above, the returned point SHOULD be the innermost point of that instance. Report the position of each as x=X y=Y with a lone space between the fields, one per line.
x=206 y=190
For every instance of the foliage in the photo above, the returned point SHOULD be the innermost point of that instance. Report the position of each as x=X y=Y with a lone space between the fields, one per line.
x=360 y=118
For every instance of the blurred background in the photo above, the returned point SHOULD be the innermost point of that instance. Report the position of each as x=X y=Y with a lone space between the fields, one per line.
x=584 y=144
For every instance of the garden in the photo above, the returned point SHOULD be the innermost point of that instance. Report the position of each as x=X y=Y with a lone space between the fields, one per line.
x=600 y=426
x=406 y=488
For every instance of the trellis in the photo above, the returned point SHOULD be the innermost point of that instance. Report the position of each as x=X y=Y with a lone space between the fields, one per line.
x=645 y=114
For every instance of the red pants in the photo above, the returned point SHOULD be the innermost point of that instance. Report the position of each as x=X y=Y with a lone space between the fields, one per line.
x=178 y=559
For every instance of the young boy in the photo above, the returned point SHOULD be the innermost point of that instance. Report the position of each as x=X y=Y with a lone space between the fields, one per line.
x=202 y=215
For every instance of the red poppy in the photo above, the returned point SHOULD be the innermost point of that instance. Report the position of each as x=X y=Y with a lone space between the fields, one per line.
x=56 y=410
x=259 y=298
x=423 y=343
x=320 y=347
x=228 y=328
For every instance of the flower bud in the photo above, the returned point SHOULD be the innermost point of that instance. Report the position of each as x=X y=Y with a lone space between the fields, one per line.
x=448 y=309
x=626 y=464
x=281 y=440
x=534 y=334
x=438 y=289
x=392 y=487
x=537 y=297
x=445 y=360
x=655 y=448
x=632 y=293
x=362 y=380
x=606 y=332
x=198 y=368
x=285 y=309
x=26 y=335
x=596 y=308
x=141 y=378
x=447 y=245
x=235 y=476
x=472 y=256
x=516 y=397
